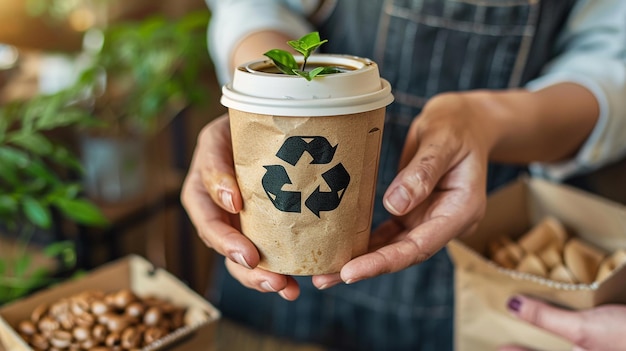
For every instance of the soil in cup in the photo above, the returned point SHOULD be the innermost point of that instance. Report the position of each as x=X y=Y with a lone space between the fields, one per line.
x=270 y=68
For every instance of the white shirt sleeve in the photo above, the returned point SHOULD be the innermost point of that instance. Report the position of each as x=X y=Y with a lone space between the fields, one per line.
x=233 y=20
x=593 y=54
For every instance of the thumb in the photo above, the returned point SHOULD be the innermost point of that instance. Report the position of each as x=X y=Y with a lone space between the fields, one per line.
x=213 y=161
x=418 y=179
x=561 y=322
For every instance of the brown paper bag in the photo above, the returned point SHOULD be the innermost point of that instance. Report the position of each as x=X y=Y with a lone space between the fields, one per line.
x=482 y=288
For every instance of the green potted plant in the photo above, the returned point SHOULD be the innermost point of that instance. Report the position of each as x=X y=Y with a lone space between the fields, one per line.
x=36 y=182
x=286 y=63
x=144 y=73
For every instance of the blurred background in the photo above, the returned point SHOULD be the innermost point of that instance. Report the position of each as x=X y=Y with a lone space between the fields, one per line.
x=101 y=102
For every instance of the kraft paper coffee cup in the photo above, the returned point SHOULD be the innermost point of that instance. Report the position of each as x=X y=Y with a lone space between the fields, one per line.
x=306 y=157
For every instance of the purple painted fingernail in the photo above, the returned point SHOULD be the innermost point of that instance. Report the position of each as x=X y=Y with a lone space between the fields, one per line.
x=514 y=304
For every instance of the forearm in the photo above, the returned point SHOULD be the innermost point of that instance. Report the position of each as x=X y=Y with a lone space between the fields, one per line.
x=254 y=45
x=236 y=22
x=543 y=126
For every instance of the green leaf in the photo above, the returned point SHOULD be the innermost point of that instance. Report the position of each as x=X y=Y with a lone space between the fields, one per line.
x=71 y=190
x=9 y=173
x=63 y=249
x=303 y=74
x=22 y=263
x=314 y=72
x=284 y=60
x=13 y=156
x=80 y=210
x=33 y=142
x=36 y=212
x=33 y=186
x=4 y=124
x=65 y=117
x=4 y=293
x=311 y=40
x=42 y=173
x=57 y=248
x=65 y=158
x=8 y=205
x=18 y=291
x=309 y=75
x=37 y=278
x=18 y=286
x=307 y=44
x=330 y=70
x=287 y=64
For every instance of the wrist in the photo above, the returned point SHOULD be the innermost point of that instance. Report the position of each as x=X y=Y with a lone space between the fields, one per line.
x=543 y=126
x=503 y=116
x=484 y=114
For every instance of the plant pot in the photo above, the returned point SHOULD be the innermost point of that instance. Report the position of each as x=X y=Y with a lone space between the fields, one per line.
x=114 y=167
x=306 y=157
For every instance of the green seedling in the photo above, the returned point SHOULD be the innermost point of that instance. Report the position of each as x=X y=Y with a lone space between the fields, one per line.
x=286 y=63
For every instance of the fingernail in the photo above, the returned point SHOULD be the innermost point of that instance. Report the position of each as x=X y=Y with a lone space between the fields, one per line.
x=267 y=286
x=351 y=281
x=330 y=283
x=227 y=200
x=327 y=285
x=514 y=304
x=398 y=201
x=282 y=294
x=238 y=257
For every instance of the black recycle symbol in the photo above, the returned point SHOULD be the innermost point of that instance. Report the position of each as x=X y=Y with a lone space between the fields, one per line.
x=291 y=151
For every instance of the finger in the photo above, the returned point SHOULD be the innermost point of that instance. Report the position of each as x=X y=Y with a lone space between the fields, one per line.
x=207 y=214
x=418 y=179
x=384 y=234
x=450 y=213
x=420 y=244
x=211 y=223
x=389 y=231
x=213 y=159
x=568 y=324
x=265 y=281
x=326 y=281
x=223 y=189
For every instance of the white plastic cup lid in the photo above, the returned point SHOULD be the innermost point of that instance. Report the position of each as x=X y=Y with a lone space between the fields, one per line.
x=357 y=90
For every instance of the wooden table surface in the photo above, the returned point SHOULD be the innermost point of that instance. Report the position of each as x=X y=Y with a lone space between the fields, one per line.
x=228 y=336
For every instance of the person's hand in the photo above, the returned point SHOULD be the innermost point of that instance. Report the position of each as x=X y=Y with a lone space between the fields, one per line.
x=439 y=193
x=212 y=199
x=598 y=329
